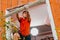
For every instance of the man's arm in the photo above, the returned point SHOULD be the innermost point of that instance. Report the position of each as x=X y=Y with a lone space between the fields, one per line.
x=18 y=17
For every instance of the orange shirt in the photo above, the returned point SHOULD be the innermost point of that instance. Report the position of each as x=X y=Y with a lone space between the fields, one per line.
x=24 y=27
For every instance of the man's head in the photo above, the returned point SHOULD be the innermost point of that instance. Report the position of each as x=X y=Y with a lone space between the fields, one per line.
x=25 y=14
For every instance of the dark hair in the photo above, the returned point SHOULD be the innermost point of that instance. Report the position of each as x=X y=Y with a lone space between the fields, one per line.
x=28 y=15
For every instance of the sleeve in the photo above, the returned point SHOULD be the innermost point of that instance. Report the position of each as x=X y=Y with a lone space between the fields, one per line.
x=20 y=19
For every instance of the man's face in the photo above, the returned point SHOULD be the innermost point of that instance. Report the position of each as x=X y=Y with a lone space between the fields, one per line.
x=24 y=14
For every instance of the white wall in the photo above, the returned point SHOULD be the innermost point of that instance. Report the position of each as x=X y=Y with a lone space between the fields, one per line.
x=39 y=15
